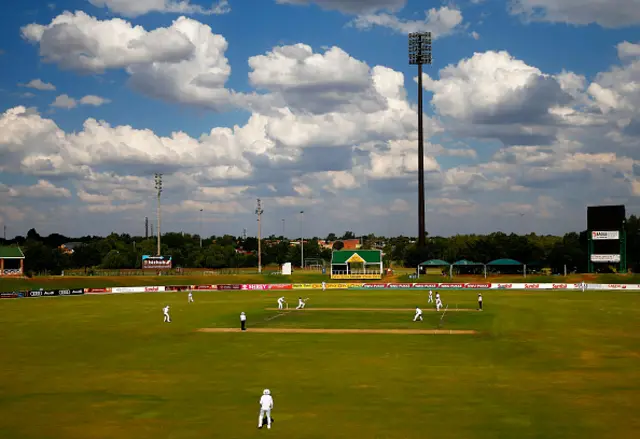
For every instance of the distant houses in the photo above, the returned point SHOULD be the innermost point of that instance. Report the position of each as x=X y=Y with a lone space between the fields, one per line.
x=70 y=247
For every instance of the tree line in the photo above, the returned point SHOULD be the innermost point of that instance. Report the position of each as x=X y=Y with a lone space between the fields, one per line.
x=123 y=251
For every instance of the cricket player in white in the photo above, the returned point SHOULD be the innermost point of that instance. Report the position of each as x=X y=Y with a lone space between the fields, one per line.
x=430 y=296
x=167 y=318
x=266 y=405
x=281 y=303
x=300 y=303
x=479 y=302
x=438 y=302
x=243 y=321
x=190 y=297
x=324 y=286
x=418 y=315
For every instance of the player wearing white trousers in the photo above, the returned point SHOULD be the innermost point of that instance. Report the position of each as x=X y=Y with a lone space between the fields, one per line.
x=281 y=303
x=266 y=405
x=324 y=286
x=167 y=318
x=190 y=300
x=438 y=304
x=418 y=315
x=300 y=303
x=430 y=296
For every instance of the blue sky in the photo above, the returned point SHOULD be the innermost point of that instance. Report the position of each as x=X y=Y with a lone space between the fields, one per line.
x=530 y=116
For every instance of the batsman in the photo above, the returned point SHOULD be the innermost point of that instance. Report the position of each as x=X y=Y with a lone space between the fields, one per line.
x=301 y=302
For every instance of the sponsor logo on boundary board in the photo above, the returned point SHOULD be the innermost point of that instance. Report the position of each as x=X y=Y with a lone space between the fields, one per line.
x=360 y=286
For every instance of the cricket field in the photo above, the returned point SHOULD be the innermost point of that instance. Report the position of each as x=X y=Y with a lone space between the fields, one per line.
x=554 y=364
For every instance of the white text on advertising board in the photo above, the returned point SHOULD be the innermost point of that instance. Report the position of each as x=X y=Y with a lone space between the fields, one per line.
x=605 y=235
x=605 y=258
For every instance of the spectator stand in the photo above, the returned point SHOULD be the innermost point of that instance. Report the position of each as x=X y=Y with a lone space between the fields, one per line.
x=506 y=266
x=11 y=262
x=465 y=266
x=433 y=267
x=356 y=264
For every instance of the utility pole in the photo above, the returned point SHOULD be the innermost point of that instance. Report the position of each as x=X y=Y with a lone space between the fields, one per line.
x=302 y=239
x=4 y=232
x=200 y=228
x=283 y=228
x=158 y=180
x=146 y=227
x=259 y=212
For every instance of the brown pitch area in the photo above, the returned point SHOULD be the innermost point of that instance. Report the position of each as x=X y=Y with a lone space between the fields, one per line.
x=342 y=331
x=373 y=309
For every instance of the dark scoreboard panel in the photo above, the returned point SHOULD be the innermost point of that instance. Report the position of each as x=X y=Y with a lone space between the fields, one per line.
x=605 y=218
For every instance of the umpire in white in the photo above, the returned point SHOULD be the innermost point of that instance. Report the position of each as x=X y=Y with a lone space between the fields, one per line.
x=243 y=321
x=479 y=301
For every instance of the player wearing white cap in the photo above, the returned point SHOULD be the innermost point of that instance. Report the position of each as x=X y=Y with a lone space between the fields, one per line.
x=266 y=405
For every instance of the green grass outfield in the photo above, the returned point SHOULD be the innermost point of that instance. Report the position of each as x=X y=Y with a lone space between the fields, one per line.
x=543 y=365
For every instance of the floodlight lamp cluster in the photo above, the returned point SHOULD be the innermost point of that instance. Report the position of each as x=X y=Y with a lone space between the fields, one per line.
x=158 y=180
x=420 y=48
x=259 y=210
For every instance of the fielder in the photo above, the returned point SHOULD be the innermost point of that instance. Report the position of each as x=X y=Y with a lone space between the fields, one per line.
x=479 y=302
x=301 y=303
x=266 y=405
x=165 y=311
x=418 y=315
x=243 y=321
x=281 y=303
x=190 y=300
x=324 y=286
x=430 y=296
x=438 y=302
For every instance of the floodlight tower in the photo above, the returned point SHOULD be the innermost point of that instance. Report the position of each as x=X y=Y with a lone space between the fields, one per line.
x=201 y=227
x=158 y=180
x=259 y=212
x=420 y=54
x=302 y=239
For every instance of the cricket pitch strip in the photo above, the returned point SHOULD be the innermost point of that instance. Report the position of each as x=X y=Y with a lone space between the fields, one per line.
x=344 y=331
x=374 y=309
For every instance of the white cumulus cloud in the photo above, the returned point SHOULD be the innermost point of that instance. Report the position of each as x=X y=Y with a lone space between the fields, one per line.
x=135 y=8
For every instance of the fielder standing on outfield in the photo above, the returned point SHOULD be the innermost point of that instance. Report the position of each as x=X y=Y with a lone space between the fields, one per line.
x=438 y=302
x=165 y=311
x=243 y=321
x=430 y=296
x=281 y=303
x=266 y=405
x=479 y=302
x=324 y=286
x=190 y=300
x=418 y=315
